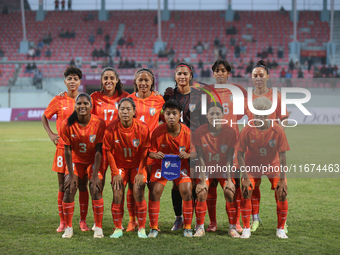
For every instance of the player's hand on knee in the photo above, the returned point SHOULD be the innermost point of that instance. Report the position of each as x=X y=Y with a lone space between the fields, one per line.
x=97 y=183
x=229 y=185
x=282 y=189
x=201 y=186
x=139 y=180
x=245 y=187
x=117 y=182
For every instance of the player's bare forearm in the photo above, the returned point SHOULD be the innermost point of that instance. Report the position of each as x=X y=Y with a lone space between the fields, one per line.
x=230 y=154
x=97 y=159
x=242 y=163
x=283 y=163
x=68 y=158
x=112 y=163
x=154 y=155
x=143 y=162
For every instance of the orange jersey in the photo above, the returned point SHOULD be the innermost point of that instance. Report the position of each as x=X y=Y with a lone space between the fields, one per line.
x=215 y=148
x=275 y=115
x=162 y=141
x=127 y=144
x=148 y=109
x=83 y=140
x=106 y=107
x=262 y=147
x=227 y=104
x=63 y=106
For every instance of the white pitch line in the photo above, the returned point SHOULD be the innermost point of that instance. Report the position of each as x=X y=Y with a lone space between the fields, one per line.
x=25 y=140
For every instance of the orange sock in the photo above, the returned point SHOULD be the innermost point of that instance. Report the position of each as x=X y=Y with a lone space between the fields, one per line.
x=231 y=209
x=141 y=213
x=211 y=203
x=187 y=214
x=68 y=209
x=60 y=205
x=200 y=210
x=83 y=204
x=246 y=212
x=131 y=205
x=98 y=210
x=154 y=208
x=238 y=196
x=117 y=214
x=282 y=211
x=255 y=200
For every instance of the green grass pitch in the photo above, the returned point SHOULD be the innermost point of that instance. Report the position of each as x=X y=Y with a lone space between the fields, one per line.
x=29 y=217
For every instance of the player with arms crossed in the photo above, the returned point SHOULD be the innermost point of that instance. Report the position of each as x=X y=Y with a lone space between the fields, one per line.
x=63 y=107
x=83 y=134
x=126 y=143
x=263 y=144
x=173 y=138
x=190 y=99
x=215 y=146
x=260 y=76
x=148 y=109
x=221 y=70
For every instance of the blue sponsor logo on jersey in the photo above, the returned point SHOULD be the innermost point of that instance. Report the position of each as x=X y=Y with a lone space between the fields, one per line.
x=135 y=142
x=224 y=148
x=92 y=138
x=152 y=111
x=272 y=143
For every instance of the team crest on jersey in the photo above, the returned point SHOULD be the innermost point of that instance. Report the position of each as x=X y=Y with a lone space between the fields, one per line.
x=224 y=148
x=192 y=107
x=184 y=172
x=231 y=98
x=167 y=164
x=152 y=111
x=92 y=138
x=181 y=148
x=116 y=104
x=135 y=142
x=272 y=143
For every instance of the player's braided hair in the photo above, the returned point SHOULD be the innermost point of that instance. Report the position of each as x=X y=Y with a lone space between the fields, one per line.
x=147 y=70
x=262 y=64
x=74 y=116
x=184 y=64
x=119 y=84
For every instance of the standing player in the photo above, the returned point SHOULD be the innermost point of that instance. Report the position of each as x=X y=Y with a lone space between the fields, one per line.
x=126 y=142
x=83 y=134
x=221 y=70
x=190 y=99
x=63 y=106
x=263 y=145
x=260 y=76
x=148 y=109
x=173 y=138
x=215 y=148
x=105 y=102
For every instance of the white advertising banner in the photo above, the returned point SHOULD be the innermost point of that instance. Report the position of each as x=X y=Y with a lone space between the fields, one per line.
x=320 y=116
x=5 y=114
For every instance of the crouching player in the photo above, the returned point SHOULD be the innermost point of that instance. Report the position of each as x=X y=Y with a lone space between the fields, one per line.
x=83 y=135
x=263 y=145
x=126 y=143
x=173 y=138
x=215 y=147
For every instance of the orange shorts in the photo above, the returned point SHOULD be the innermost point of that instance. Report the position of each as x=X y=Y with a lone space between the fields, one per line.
x=274 y=179
x=156 y=176
x=128 y=175
x=59 y=162
x=209 y=181
x=81 y=170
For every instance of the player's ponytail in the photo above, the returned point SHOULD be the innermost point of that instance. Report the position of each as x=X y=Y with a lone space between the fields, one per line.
x=262 y=64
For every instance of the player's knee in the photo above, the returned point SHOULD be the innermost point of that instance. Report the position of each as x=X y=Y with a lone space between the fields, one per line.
x=281 y=197
x=186 y=194
x=202 y=196
x=61 y=187
x=118 y=196
x=246 y=195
